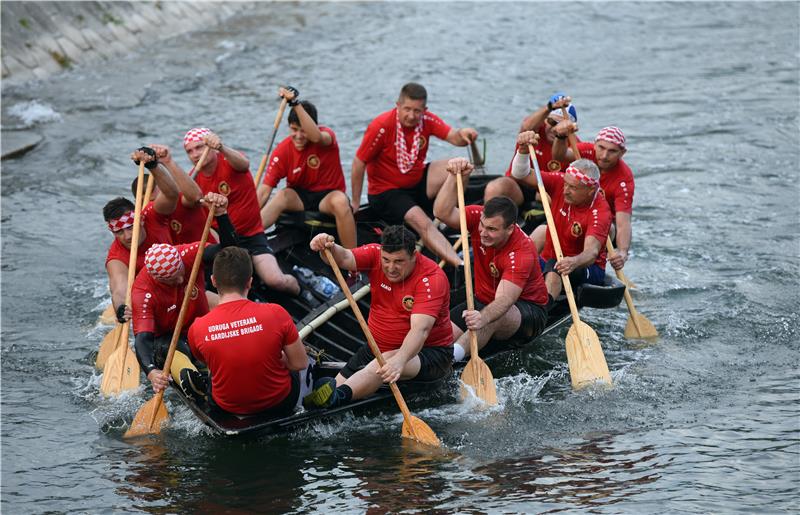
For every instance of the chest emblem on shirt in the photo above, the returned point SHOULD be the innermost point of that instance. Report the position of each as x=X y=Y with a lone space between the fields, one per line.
x=408 y=302
x=576 y=230
x=313 y=161
x=224 y=188
x=422 y=141
x=195 y=292
x=493 y=270
x=175 y=226
x=554 y=166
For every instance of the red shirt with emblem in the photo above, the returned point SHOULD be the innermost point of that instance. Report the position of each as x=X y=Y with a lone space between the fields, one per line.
x=575 y=223
x=516 y=261
x=241 y=342
x=544 y=156
x=186 y=223
x=315 y=168
x=378 y=151
x=617 y=183
x=156 y=227
x=243 y=207
x=426 y=291
x=156 y=305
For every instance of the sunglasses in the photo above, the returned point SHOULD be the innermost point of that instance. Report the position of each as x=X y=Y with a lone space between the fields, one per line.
x=552 y=122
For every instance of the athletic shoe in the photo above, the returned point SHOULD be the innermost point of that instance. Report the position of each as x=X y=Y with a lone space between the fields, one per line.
x=323 y=395
x=194 y=384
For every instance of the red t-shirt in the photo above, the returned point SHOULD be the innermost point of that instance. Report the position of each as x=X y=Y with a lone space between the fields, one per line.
x=241 y=342
x=241 y=192
x=378 y=151
x=156 y=305
x=426 y=291
x=517 y=261
x=544 y=156
x=156 y=227
x=315 y=168
x=186 y=223
x=574 y=223
x=617 y=183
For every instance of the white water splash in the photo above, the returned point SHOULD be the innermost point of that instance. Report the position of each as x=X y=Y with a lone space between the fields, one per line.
x=34 y=112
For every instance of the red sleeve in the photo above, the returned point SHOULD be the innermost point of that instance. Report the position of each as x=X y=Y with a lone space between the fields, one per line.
x=473 y=216
x=333 y=135
x=373 y=141
x=436 y=126
x=552 y=181
x=623 y=200
x=277 y=166
x=600 y=222
x=281 y=316
x=367 y=256
x=519 y=266
x=431 y=291
x=586 y=149
x=142 y=300
x=194 y=343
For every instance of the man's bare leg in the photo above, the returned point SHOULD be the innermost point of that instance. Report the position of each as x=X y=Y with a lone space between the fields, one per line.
x=337 y=205
x=432 y=238
x=267 y=268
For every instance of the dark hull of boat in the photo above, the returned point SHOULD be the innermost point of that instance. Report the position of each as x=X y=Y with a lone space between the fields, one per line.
x=333 y=342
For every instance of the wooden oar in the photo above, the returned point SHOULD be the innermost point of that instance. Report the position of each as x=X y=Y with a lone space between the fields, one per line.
x=200 y=162
x=638 y=325
x=153 y=414
x=413 y=427
x=476 y=374
x=587 y=363
x=275 y=126
x=108 y=317
x=120 y=367
x=476 y=158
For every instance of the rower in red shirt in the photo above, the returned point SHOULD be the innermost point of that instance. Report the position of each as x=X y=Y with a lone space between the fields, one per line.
x=253 y=351
x=401 y=185
x=408 y=317
x=309 y=161
x=616 y=180
x=227 y=171
x=542 y=121
x=511 y=297
x=581 y=216
x=157 y=295
x=119 y=214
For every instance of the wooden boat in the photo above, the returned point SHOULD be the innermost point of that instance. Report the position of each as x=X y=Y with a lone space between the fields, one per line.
x=333 y=331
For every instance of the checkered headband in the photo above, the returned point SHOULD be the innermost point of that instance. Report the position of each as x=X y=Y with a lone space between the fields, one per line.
x=613 y=135
x=582 y=177
x=195 y=134
x=123 y=222
x=163 y=261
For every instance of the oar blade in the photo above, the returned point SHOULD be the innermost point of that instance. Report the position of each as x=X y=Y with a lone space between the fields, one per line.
x=587 y=364
x=477 y=376
x=416 y=429
x=640 y=328
x=150 y=418
x=109 y=344
x=121 y=372
x=108 y=317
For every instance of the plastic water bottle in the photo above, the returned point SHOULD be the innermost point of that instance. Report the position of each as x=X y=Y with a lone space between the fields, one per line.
x=319 y=283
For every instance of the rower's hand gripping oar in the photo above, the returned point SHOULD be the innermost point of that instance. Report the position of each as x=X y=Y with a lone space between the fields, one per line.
x=413 y=427
x=275 y=126
x=153 y=414
x=638 y=326
x=587 y=363
x=476 y=374
x=120 y=367
x=200 y=162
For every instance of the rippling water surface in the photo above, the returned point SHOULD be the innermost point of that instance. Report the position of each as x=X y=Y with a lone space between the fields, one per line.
x=706 y=420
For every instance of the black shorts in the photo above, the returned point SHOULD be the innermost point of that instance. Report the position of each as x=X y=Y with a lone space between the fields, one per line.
x=256 y=244
x=528 y=193
x=311 y=199
x=282 y=409
x=532 y=323
x=391 y=206
x=434 y=362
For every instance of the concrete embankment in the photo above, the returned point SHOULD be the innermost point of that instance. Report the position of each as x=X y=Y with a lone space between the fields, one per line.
x=40 y=39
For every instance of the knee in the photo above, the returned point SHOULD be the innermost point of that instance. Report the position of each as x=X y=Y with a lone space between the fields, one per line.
x=340 y=204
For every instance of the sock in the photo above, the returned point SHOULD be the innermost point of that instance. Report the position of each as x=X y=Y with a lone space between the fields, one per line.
x=458 y=352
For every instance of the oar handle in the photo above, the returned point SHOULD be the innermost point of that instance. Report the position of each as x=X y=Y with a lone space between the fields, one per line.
x=365 y=328
x=462 y=218
x=188 y=293
x=137 y=229
x=275 y=126
x=573 y=143
x=200 y=162
x=551 y=226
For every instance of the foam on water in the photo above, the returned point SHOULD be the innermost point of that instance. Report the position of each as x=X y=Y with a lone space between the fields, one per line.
x=34 y=112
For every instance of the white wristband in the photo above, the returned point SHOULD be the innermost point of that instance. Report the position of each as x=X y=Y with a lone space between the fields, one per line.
x=520 y=167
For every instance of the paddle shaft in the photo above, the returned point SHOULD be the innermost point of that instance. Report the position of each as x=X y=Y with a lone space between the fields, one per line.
x=275 y=126
x=462 y=217
x=551 y=226
x=370 y=340
x=200 y=162
x=573 y=143
x=628 y=299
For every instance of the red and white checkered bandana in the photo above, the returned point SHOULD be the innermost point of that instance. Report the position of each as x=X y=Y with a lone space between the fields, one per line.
x=612 y=134
x=582 y=177
x=195 y=134
x=123 y=222
x=406 y=158
x=163 y=261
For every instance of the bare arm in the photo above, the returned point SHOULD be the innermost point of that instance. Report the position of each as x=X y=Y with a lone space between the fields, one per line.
x=357 y=182
x=534 y=120
x=167 y=198
x=445 y=208
x=311 y=129
x=624 y=236
x=343 y=257
x=117 y=281
x=296 y=358
x=238 y=162
x=263 y=191
x=190 y=191
x=591 y=249
x=421 y=326
x=461 y=137
x=561 y=150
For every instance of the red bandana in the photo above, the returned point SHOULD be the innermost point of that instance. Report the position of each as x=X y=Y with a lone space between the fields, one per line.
x=612 y=135
x=582 y=177
x=163 y=261
x=195 y=134
x=123 y=222
x=406 y=159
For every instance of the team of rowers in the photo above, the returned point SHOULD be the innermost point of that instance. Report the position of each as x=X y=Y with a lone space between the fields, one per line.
x=255 y=358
